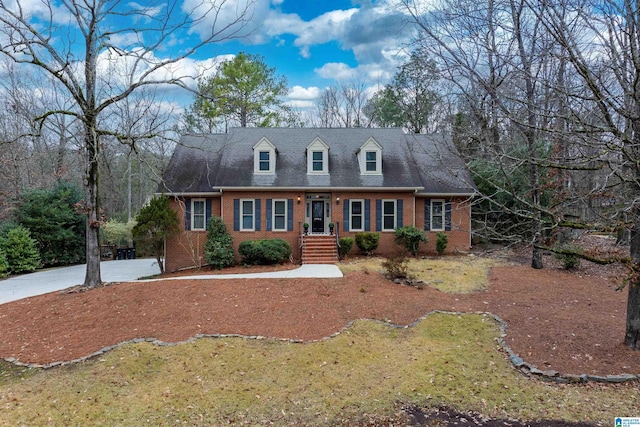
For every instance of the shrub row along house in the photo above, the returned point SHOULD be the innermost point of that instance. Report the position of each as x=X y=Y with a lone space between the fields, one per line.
x=269 y=182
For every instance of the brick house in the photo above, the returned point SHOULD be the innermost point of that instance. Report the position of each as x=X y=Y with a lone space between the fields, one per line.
x=269 y=182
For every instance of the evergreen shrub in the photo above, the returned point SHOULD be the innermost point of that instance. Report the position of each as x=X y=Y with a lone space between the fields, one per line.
x=346 y=243
x=367 y=241
x=410 y=237
x=264 y=252
x=441 y=242
x=218 y=249
x=20 y=250
x=4 y=265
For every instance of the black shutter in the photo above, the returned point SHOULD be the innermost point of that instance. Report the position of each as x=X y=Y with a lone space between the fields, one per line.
x=187 y=213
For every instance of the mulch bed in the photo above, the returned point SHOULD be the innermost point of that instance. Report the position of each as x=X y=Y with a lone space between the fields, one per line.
x=570 y=322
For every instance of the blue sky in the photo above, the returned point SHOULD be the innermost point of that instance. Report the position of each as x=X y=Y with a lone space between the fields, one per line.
x=319 y=43
x=314 y=43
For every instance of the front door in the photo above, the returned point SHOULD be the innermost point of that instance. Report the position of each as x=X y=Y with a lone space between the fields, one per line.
x=317 y=216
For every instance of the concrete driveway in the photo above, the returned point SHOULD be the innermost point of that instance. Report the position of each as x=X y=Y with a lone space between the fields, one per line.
x=55 y=279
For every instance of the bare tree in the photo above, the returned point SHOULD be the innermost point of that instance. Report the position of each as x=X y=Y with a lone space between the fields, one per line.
x=602 y=44
x=75 y=42
x=502 y=59
x=342 y=106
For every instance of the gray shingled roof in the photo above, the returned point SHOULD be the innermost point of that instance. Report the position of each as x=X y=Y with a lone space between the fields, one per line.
x=424 y=163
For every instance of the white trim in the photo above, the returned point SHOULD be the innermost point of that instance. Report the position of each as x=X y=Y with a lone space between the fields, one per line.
x=443 y=214
x=395 y=214
x=242 y=214
x=370 y=146
x=328 y=189
x=273 y=214
x=362 y=213
x=264 y=146
x=318 y=146
x=193 y=214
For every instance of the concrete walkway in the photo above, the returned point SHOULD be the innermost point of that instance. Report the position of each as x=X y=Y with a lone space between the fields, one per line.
x=306 y=271
x=56 y=279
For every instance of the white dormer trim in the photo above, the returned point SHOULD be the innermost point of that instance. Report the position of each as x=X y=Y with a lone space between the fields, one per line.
x=264 y=157
x=370 y=158
x=317 y=158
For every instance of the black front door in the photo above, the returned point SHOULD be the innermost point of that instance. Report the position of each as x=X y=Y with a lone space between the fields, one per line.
x=317 y=216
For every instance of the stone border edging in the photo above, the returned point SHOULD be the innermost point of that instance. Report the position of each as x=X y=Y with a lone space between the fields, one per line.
x=523 y=367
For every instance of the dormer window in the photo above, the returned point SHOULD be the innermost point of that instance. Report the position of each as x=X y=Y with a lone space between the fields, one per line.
x=264 y=161
x=317 y=158
x=317 y=162
x=370 y=158
x=264 y=157
x=371 y=161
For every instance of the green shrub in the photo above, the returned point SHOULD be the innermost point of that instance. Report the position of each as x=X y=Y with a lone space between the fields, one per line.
x=410 y=237
x=155 y=223
x=367 y=241
x=20 y=250
x=441 y=242
x=346 y=243
x=56 y=221
x=4 y=265
x=396 y=267
x=218 y=249
x=264 y=252
x=568 y=255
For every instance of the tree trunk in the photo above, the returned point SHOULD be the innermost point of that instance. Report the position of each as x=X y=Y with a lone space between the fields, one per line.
x=92 y=277
x=632 y=333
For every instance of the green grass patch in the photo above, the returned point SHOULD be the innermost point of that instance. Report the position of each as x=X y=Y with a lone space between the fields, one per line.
x=10 y=373
x=446 y=359
x=451 y=274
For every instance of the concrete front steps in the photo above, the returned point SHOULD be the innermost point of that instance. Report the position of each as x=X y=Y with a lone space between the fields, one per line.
x=319 y=249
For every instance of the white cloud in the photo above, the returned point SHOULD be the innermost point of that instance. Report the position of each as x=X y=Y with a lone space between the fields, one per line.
x=40 y=9
x=226 y=19
x=299 y=92
x=300 y=104
x=336 y=70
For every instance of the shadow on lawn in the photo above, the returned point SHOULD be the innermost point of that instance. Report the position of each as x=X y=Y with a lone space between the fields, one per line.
x=446 y=417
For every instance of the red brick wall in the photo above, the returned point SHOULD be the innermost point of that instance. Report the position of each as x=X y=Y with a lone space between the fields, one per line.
x=187 y=249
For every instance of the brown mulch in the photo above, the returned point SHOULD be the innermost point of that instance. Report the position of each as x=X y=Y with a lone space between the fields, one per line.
x=571 y=322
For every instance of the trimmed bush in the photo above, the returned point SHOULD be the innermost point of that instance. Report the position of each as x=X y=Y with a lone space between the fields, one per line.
x=264 y=252
x=218 y=249
x=441 y=242
x=20 y=250
x=346 y=243
x=367 y=241
x=410 y=237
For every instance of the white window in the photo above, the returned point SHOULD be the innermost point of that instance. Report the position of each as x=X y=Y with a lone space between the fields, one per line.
x=198 y=214
x=437 y=215
x=264 y=157
x=370 y=158
x=317 y=162
x=279 y=213
x=389 y=215
x=247 y=214
x=264 y=164
x=356 y=215
x=317 y=158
